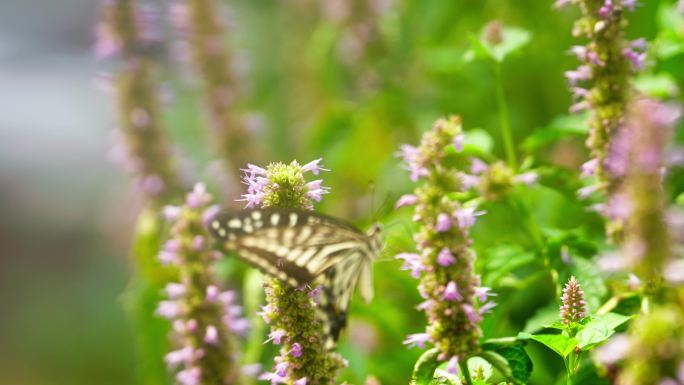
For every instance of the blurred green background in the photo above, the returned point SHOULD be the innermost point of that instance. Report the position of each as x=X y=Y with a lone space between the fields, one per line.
x=344 y=80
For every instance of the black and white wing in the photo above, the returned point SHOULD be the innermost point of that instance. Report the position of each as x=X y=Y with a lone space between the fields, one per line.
x=302 y=247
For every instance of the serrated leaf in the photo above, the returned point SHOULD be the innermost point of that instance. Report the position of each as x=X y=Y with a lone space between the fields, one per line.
x=477 y=364
x=599 y=329
x=425 y=367
x=510 y=359
x=559 y=343
x=442 y=377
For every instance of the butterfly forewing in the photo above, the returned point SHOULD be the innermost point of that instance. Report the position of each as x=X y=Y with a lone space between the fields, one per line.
x=302 y=248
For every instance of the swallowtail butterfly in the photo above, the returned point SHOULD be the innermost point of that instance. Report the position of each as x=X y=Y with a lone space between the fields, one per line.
x=305 y=248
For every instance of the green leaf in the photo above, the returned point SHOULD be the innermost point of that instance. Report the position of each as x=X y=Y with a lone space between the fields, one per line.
x=425 y=367
x=559 y=343
x=479 y=364
x=544 y=317
x=445 y=378
x=142 y=297
x=661 y=85
x=513 y=39
x=591 y=280
x=479 y=139
x=599 y=329
x=510 y=359
x=562 y=127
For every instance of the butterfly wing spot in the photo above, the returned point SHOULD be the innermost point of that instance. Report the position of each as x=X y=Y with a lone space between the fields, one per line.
x=312 y=220
x=293 y=219
x=232 y=236
x=247 y=227
x=235 y=223
x=221 y=232
x=274 y=219
x=215 y=225
x=304 y=234
x=256 y=215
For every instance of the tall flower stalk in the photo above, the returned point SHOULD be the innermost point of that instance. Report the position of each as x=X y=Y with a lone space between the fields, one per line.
x=652 y=352
x=638 y=156
x=454 y=301
x=601 y=84
x=128 y=33
x=291 y=312
x=205 y=319
x=201 y=23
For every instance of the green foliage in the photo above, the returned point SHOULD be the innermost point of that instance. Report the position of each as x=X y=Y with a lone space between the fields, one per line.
x=141 y=300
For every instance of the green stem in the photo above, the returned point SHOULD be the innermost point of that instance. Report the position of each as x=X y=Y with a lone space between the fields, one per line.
x=504 y=121
x=465 y=372
x=568 y=368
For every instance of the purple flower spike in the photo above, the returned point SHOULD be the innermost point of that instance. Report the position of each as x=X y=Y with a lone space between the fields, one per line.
x=574 y=307
x=451 y=292
x=314 y=167
x=418 y=339
x=445 y=258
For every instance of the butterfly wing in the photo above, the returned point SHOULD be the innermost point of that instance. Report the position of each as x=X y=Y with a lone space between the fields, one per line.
x=299 y=248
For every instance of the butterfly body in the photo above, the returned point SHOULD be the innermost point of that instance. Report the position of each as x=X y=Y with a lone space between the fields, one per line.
x=303 y=248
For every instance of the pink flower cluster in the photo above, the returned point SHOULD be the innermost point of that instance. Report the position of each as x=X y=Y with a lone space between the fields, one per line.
x=204 y=318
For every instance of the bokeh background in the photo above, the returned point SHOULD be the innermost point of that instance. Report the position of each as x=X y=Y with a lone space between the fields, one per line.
x=344 y=80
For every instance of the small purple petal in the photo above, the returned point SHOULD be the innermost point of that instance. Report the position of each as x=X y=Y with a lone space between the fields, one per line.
x=418 y=339
x=445 y=258
x=443 y=223
x=297 y=350
x=406 y=200
x=314 y=167
x=451 y=292
x=452 y=365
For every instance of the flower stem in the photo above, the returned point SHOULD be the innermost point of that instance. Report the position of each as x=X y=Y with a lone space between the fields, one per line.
x=466 y=372
x=504 y=120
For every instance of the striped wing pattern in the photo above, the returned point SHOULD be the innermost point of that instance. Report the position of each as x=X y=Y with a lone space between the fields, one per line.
x=303 y=248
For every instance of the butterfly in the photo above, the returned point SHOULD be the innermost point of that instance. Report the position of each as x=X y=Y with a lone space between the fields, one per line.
x=303 y=248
